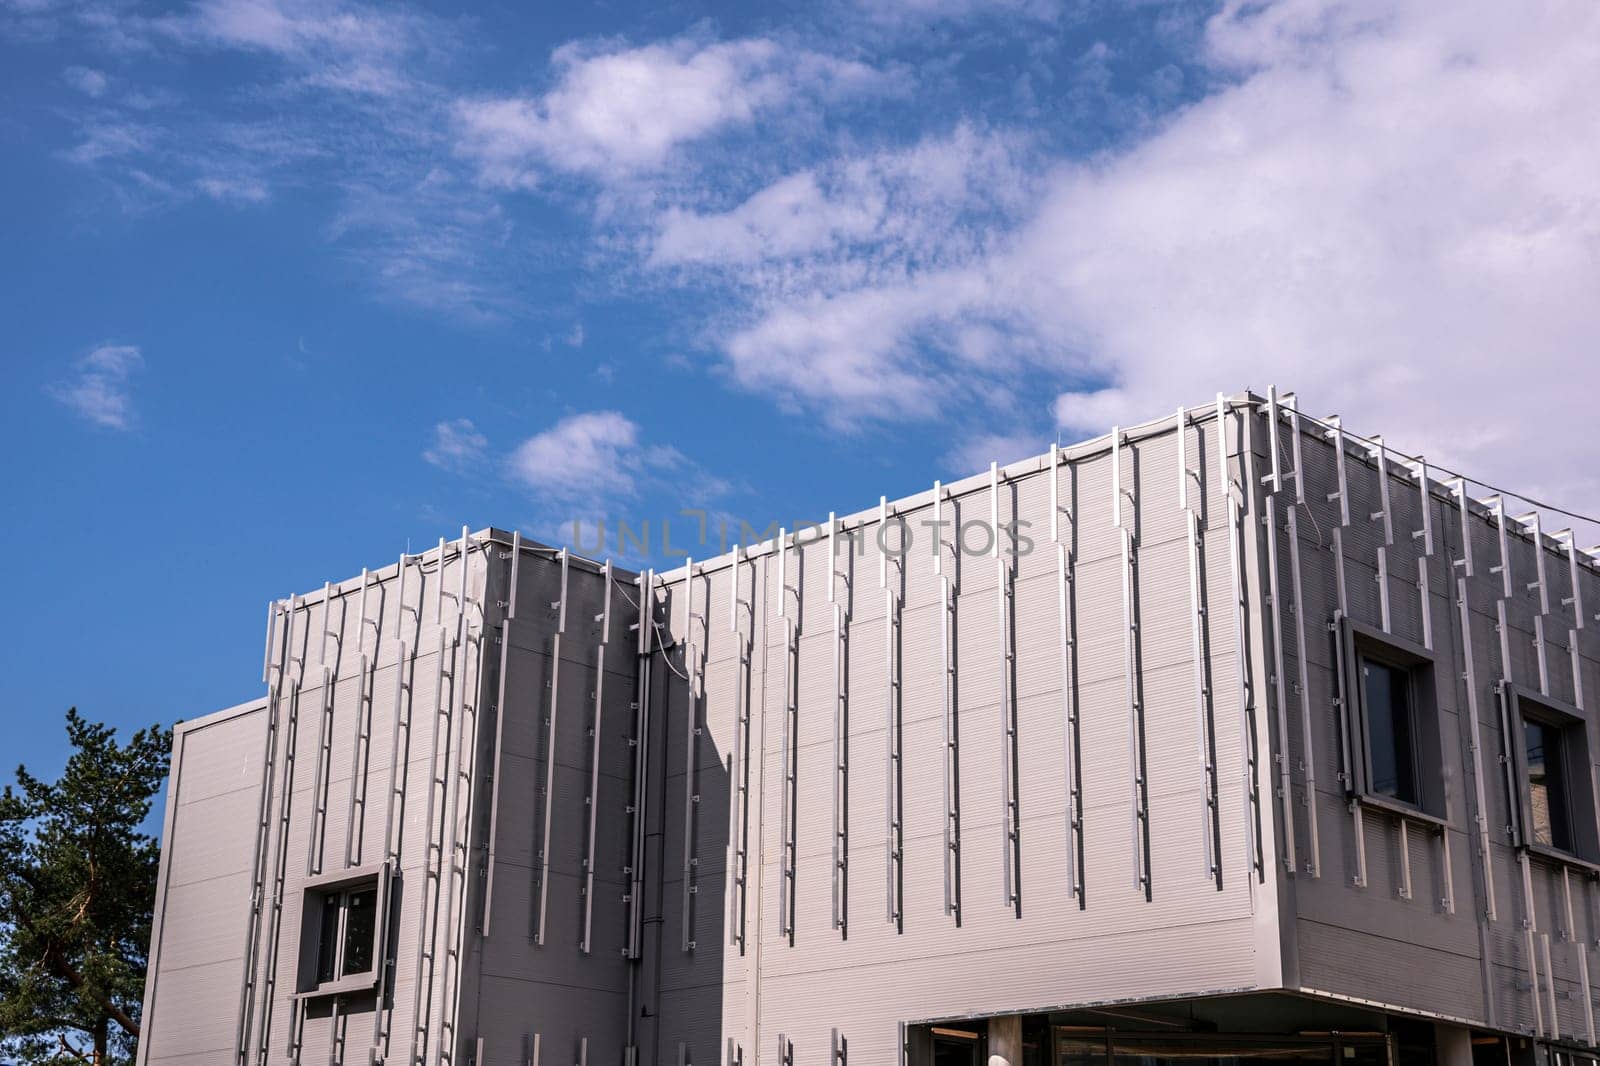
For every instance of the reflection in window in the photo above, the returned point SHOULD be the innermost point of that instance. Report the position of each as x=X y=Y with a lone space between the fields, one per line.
x=360 y=925
x=1073 y=1050
x=1081 y=1047
x=1547 y=787
x=954 y=1052
x=1170 y=1051
x=1391 y=730
x=347 y=933
x=328 y=943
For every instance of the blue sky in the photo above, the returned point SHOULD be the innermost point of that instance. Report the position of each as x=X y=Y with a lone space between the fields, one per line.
x=290 y=284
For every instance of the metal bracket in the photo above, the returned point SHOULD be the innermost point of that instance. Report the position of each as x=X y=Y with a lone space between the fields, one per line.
x=1010 y=792
x=894 y=769
x=1066 y=645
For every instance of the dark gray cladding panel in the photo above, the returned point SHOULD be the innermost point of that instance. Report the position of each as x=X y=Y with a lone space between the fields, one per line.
x=537 y=977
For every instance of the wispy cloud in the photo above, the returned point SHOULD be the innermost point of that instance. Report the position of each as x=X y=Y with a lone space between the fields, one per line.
x=975 y=453
x=100 y=391
x=89 y=82
x=860 y=217
x=330 y=44
x=910 y=13
x=103 y=139
x=234 y=190
x=457 y=445
x=343 y=102
x=867 y=277
x=431 y=240
x=616 y=112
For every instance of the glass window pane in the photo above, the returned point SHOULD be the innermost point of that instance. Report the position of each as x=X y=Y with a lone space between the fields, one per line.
x=952 y=1052
x=1547 y=786
x=360 y=924
x=1367 y=1053
x=1390 y=730
x=1131 y=1050
x=1078 y=1049
x=328 y=940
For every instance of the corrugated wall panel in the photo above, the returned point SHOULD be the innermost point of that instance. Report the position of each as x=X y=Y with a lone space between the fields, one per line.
x=1431 y=953
x=1187 y=905
x=1145 y=928
x=333 y=804
x=203 y=894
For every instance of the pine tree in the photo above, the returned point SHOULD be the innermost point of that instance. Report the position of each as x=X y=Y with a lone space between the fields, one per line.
x=77 y=887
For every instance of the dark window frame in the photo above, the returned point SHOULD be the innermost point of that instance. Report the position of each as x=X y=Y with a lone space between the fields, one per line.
x=328 y=895
x=1358 y=644
x=1521 y=707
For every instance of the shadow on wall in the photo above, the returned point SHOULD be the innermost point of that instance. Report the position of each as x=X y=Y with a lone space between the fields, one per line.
x=688 y=907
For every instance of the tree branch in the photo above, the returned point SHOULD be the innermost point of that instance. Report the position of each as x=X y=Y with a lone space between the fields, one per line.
x=69 y=1049
x=65 y=970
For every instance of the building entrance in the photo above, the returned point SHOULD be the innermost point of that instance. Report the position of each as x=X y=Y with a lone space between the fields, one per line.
x=1110 y=1047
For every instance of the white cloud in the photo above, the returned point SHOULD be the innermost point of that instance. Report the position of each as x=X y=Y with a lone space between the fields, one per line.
x=592 y=452
x=1393 y=212
x=614 y=112
x=89 y=82
x=874 y=352
x=1390 y=208
x=583 y=468
x=791 y=217
x=457 y=445
x=100 y=390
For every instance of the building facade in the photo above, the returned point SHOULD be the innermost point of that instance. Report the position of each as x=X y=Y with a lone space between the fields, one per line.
x=1227 y=736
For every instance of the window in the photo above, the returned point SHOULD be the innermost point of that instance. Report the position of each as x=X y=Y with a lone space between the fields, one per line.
x=344 y=943
x=1391 y=730
x=1552 y=786
x=1549 y=822
x=341 y=934
x=954 y=1051
x=1391 y=722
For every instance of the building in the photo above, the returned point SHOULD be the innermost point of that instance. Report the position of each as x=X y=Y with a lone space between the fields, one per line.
x=1247 y=739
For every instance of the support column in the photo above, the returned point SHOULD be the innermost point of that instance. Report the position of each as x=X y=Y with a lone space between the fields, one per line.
x=1005 y=1041
x=1453 y=1044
